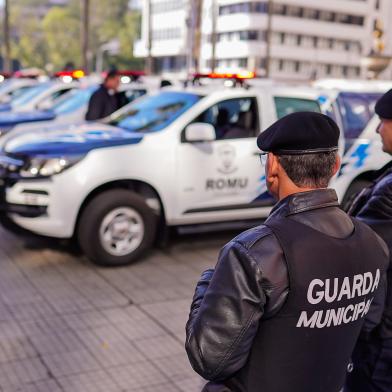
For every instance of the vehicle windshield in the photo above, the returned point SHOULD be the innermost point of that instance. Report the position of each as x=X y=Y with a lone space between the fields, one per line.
x=155 y=112
x=73 y=100
x=29 y=94
x=356 y=110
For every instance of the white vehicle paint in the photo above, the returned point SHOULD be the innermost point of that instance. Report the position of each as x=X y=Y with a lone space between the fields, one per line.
x=11 y=88
x=175 y=158
x=360 y=162
x=71 y=109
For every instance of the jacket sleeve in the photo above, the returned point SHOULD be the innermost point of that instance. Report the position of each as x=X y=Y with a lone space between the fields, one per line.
x=377 y=213
x=225 y=313
x=95 y=107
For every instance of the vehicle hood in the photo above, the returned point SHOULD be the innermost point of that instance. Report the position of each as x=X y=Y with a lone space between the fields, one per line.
x=70 y=140
x=13 y=118
x=5 y=107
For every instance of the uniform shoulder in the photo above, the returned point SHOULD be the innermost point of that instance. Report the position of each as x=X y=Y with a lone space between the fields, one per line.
x=249 y=238
x=384 y=186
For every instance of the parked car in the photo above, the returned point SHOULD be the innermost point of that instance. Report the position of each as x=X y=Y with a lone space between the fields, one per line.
x=171 y=159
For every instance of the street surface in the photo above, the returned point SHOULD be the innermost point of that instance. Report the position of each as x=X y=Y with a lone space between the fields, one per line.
x=66 y=325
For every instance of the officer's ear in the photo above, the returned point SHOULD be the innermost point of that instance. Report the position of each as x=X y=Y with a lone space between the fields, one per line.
x=338 y=162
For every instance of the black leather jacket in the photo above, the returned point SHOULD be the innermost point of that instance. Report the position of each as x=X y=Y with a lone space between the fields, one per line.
x=374 y=207
x=250 y=282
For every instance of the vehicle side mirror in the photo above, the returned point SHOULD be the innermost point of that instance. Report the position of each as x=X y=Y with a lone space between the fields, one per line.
x=200 y=132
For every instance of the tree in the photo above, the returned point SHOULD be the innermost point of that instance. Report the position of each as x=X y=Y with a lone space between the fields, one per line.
x=62 y=37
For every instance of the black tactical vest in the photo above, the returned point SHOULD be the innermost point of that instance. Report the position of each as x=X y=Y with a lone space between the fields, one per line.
x=307 y=346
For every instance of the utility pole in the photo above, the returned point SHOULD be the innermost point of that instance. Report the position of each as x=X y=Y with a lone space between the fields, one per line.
x=214 y=15
x=7 y=46
x=149 y=62
x=85 y=35
x=269 y=40
x=197 y=39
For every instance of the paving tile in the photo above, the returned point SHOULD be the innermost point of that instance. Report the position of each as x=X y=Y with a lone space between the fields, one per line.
x=139 y=329
x=167 y=387
x=21 y=372
x=56 y=342
x=99 y=381
x=86 y=320
x=139 y=375
x=70 y=363
x=39 y=386
x=159 y=347
x=16 y=348
x=193 y=384
x=175 y=367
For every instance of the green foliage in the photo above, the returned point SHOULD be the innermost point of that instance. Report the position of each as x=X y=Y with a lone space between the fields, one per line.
x=55 y=37
x=62 y=37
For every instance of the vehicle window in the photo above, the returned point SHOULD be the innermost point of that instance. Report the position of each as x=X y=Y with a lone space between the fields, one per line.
x=73 y=100
x=134 y=94
x=18 y=92
x=29 y=94
x=356 y=110
x=287 y=105
x=233 y=118
x=57 y=94
x=155 y=112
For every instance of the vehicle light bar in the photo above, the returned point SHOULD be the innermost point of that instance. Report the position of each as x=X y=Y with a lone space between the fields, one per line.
x=74 y=74
x=238 y=75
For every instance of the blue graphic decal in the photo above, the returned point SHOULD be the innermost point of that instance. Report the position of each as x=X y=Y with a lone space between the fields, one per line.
x=360 y=154
x=14 y=118
x=73 y=143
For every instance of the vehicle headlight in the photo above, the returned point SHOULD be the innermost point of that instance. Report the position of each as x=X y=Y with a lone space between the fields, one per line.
x=47 y=167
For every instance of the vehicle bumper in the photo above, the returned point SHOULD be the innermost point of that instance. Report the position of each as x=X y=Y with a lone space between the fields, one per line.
x=32 y=205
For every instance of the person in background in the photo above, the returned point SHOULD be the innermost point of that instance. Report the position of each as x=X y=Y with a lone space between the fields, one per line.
x=107 y=99
x=284 y=306
x=372 y=359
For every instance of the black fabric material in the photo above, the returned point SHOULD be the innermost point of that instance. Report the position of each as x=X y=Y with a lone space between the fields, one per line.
x=384 y=106
x=372 y=357
x=103 y=104
x=288 y=358
x=300 y=133
x=250 y=284
x=372 y=366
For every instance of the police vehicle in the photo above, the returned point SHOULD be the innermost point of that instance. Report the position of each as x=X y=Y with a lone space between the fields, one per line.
x=184 y=158
x=68 y=109
x=353 y=103
x=11 y=88
x=40 y=96
x=360 y=163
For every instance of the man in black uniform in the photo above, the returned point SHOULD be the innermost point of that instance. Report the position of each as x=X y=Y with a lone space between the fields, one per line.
x=373 y=354
x=107 y=99
x=284 y=306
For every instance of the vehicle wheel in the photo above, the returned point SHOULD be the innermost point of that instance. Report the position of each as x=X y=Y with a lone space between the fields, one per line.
x=353 y=190
x=116 y=228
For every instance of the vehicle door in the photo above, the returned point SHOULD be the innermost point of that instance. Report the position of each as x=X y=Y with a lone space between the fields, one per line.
x=224 y=174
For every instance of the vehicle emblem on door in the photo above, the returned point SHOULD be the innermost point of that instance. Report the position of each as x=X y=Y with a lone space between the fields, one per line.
x=227 y=155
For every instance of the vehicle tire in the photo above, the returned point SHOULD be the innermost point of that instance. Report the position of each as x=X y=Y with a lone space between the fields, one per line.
x=116 y=228
x=353 y=190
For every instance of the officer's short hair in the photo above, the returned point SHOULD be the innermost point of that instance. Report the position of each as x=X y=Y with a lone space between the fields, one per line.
x=309 y=170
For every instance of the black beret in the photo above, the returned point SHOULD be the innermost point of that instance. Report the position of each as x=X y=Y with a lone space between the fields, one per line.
x=384 y=106
x=300 y=133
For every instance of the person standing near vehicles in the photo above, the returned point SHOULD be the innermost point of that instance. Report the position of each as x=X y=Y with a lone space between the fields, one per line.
x=283 y=308
x=107 y=99
x=372 y=357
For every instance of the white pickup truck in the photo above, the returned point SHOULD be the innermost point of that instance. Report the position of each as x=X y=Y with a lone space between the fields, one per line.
x=179 y=157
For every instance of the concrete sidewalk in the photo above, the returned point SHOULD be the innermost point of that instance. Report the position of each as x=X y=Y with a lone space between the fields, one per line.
x=66 y=325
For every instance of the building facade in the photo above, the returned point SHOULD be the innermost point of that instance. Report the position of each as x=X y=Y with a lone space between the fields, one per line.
x=309 y=38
